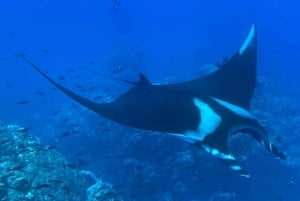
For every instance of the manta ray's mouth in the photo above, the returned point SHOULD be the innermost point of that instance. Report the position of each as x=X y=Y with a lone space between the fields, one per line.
x=240 y=143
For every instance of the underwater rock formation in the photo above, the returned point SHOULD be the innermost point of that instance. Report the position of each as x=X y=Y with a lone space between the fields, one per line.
x=32 y=171
x=103 y=191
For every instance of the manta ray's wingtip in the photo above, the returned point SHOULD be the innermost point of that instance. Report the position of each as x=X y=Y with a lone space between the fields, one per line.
x=250 y=41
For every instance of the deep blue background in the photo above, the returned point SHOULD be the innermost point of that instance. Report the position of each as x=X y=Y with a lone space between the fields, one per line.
x=164 y=40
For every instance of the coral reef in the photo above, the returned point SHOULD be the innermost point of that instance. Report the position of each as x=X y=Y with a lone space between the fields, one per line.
x=32 y=171
x=103 y=191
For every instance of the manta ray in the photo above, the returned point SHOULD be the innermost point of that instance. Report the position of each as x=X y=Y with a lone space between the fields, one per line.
x=205 y=111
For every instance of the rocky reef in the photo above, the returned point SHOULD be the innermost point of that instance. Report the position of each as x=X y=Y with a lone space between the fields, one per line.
x=32 y=171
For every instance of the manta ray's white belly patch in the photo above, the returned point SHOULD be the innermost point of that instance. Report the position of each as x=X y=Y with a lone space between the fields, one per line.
x=209 y=121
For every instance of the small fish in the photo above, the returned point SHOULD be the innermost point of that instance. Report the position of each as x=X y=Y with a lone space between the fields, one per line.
x=119 y=186
x=91 y=88
x=49 y=147
x=11 y=33
x=87 y=135
x=40 y=93
x=8 y=85
x=69 y=133
x=278 y=198
x=23 y=102
x=45 y=50
x=171 y=57
x=118 y=69
x=84 y=90
x=4 y=141
x=61 y=77
x=77 y=164
x=81 y=162
x=56 y=112
x=23 y=130
x=75 y=125
x=72 y=70
x=117 y=4
x=65 y=134
x=20 y=151
x=78 y=86
x=98 y=97
x=91 y=62
x=291 y=183
x=40 y=186
x=75 y=132
x=56 y=181
x=17 y=167
x=52 y=196
x=66 y=119
x=70 y=165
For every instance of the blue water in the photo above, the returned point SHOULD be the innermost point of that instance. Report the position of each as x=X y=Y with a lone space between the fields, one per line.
x=164 y=40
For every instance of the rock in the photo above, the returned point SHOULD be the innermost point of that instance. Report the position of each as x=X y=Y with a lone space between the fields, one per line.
x=223 y=196
x=33 y=172
x=18 y=182
x=102 y=191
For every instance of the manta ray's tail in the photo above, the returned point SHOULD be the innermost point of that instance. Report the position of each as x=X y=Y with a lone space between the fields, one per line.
x=83 y=101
